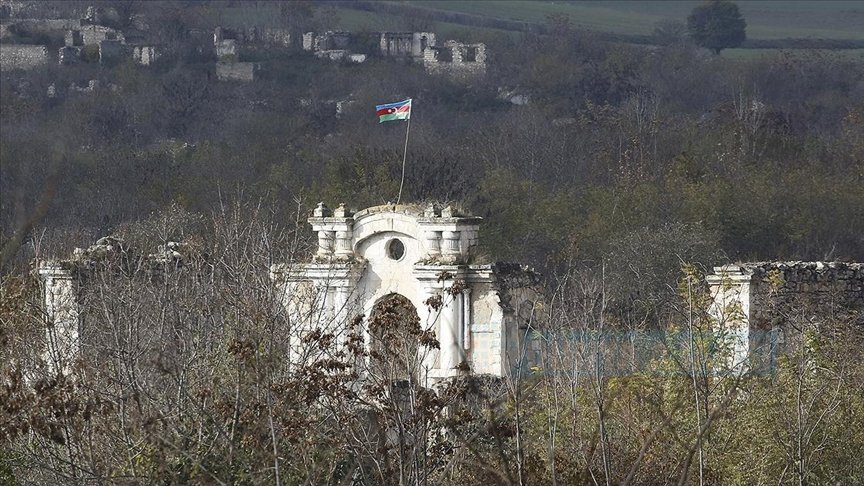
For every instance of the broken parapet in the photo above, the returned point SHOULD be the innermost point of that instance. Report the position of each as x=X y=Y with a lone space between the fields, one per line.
x=64 y=279
x=755 y=301
x=405 y=44
x=95 y=34
x=22 y=56
x=227 y=41
x=455 y=59
x=327 y=41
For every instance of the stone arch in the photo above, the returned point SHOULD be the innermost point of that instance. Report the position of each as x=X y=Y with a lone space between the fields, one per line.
x=394 y=338
x=369 y=225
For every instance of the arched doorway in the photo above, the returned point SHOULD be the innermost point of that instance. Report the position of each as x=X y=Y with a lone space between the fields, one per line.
x=395 y=336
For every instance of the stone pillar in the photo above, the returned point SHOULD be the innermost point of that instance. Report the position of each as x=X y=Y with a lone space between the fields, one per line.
x=730 y=287
x=344 y=233
x=452 y=251
x=325 y=244
x=340 y=305
x=466 y=318
x=433 y=245
x=343 y=245
x=449 y=334
x=61 y=309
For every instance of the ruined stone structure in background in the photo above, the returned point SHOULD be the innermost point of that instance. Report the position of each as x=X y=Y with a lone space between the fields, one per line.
x=456 y=60
x=327 y=41
x=406 y=44
x=84 y=39
x=757 y=301
x=412 y=253
x=95 y=34
x=334 y=46
x=145 y=55
x=228 y=42
x=225 y=44
x=236 y=71
x=22 y=56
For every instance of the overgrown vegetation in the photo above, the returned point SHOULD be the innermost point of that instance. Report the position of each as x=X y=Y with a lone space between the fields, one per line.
x=626 y=162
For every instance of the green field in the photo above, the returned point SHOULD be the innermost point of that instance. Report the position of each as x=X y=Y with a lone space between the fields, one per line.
x=359 y=20
x=775 y=19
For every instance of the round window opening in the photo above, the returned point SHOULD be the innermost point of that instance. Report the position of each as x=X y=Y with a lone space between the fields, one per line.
x=395 y=249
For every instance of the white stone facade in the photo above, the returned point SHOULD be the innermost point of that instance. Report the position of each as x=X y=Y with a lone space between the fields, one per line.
x=365 y=257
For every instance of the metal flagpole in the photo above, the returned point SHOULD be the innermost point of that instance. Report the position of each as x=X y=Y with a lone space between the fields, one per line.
x=404 y=154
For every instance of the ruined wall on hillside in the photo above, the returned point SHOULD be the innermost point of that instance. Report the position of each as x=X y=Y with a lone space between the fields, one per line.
x=22 y=56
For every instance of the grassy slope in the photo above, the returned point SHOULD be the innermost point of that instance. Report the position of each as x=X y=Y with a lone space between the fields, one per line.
x=766 y=19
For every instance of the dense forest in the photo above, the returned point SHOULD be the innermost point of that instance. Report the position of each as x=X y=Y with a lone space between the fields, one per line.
x=621 y=165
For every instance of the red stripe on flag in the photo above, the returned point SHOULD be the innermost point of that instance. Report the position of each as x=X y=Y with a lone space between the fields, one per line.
x=391 y=111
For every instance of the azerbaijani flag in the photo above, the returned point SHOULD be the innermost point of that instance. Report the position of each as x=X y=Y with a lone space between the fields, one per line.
x=394 y=111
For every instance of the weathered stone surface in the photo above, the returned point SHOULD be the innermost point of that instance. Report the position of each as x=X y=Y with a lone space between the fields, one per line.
x=758 y=300
x=416 y=253
x=95 y=34
x=22 y=56
x=405 y=44
x=456 y=60
x=145 y=55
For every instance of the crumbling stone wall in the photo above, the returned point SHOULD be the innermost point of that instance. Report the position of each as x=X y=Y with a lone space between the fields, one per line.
x=760 y=303
x=145 y=55
x=405 y=44
x=22 y=56
x=95 y=34
x=327 y=41
x=43 y=26
x=780 y=290
x=456 y=59
x=229 y=39
x=236 y=71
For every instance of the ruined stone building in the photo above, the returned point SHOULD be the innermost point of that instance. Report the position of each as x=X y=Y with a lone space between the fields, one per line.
x=22 y=56
x=406 y=44
x=760 y=303
x=366 y=259
x=456 y=59
x=481 y=313
x=334 y=46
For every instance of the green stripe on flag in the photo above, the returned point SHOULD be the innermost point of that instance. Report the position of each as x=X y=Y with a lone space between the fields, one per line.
x=394 y=116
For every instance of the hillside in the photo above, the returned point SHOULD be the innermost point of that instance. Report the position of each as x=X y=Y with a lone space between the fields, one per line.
x=765 y=19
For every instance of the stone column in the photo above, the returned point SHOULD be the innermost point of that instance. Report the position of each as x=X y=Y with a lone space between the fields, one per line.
x=343 y=245
x=450 y=334
x=61 y=309
x=466 y=318
x=730 y=287
x=325 y=244
x=433 y=244
x=452 y=249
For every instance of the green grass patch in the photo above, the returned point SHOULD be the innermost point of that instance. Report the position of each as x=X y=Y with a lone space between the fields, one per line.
x=361 y=20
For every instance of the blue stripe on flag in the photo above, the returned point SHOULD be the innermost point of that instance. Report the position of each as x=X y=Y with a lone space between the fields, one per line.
x=393 y=105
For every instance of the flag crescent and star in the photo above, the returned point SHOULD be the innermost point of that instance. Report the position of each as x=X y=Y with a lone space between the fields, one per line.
x=400 y=110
